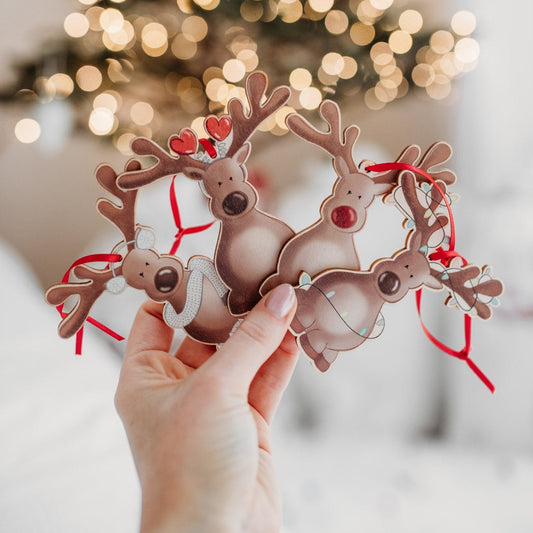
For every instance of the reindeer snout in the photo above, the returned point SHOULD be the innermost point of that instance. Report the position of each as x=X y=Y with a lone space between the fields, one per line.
x=166 y=279
x=235 y=203
x=344 y=216
x=388 y=283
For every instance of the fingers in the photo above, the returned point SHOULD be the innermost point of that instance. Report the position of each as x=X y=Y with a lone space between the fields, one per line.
x=273 y=377
x=194 y=353
x=257 y=337
x=149 y=331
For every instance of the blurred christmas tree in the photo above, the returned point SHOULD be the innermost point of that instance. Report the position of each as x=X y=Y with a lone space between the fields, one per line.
x=132 y=67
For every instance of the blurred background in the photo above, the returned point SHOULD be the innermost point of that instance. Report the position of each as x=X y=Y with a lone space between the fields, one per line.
x=397 y=436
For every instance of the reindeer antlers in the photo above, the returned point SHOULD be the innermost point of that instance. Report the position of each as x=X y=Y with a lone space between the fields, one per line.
x=336 y=143
x=459 y=283
x=89 y=291
x=244 y=124
x=423 y=229
x=165 y=166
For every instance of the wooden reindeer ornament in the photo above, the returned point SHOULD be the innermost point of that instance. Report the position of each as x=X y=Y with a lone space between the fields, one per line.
x=329 y=242
x=249 y=240
x=195 y=297
x=340 y=309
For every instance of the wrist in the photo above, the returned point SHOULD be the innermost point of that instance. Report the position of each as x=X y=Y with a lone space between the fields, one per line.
x=192 y=518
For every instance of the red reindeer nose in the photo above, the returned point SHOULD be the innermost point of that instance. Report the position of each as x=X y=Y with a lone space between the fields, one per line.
x=344 y=216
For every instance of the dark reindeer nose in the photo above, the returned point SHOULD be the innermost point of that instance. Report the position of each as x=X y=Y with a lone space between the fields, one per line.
x=234 y=203
x=388 y=283
x=344 y=216
x=166 y=279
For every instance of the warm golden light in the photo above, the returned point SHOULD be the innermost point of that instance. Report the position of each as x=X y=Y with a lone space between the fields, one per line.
x=208 y=5
x=76 y=25
x=249 y=59
x=321 y=6
x=336 y=22
x=362 y=34
x=27 y=130
x=183 y=48
x=310 y=98
x=411 y=21
x=62 y=83
x=108 y=100
x=441 y=41
x=300 y=78
x=290 y=11
x=88 y=78
x=111 y=20
x=333 y=63
x=142 y=113
x=194 y=28
x=423 y=75
x=123 y=143
x=467 y=50
x=251 y=11
x=282 y=114
x=400 y=42
x=217 y=90
x=381 y=4
x=440 y=88
x=234 y=70
x=154 y=35
x=102 y=121
x=463 y=23
x=381 y=53
x=350 y=68
x=371 y=100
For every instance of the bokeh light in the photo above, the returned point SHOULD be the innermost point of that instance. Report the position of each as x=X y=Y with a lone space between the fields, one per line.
x=27 y=130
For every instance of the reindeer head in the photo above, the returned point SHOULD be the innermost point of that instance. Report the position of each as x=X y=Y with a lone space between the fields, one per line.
x=354 y=190
x=141 y=266
x=224 y=181
x=224 y=177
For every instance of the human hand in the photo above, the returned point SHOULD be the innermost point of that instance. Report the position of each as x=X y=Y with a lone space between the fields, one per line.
x=198 y=422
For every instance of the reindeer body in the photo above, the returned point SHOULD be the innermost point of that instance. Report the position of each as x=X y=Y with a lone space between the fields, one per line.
x=198 y=306
x=249 y=241
x=329 y=242
x=247 y=252
x=339 y=310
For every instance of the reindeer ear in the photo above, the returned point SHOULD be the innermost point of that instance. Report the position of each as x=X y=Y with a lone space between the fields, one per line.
x=341 y=167
x=194 y=173
x=382 y=188
x=432 y=282
x=241 y=155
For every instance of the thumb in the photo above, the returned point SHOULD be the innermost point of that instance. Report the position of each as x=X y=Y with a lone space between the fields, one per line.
x=256 y=338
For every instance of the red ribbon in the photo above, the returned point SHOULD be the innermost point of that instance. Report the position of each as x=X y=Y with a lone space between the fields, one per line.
x=444 y=256
x=177 y=220
x=107 y=258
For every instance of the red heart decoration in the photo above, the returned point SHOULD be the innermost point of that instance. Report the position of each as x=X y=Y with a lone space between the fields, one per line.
x=218 y=129
x=185 y=143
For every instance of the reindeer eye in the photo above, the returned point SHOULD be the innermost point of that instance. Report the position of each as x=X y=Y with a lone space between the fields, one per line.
x=219 y=183
x=147 y=264
x=360 y=197
x=350 y=192
x=231 y=178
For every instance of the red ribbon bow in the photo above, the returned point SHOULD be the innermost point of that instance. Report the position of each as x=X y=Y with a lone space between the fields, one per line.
x=107 y=258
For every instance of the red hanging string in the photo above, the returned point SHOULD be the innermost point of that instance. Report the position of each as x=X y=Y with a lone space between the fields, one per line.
x=177 y=220
x=444 y=256
x=107 y=258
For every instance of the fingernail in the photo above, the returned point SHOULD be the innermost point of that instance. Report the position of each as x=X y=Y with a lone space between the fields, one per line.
x=281 y=300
